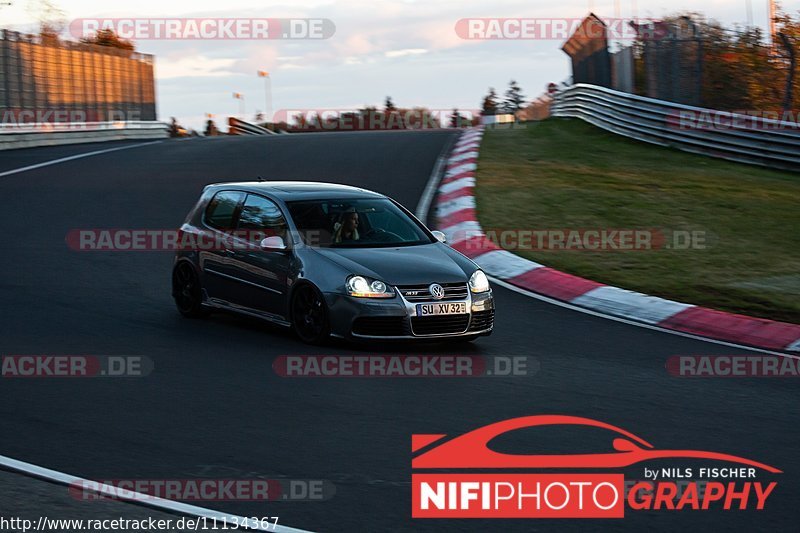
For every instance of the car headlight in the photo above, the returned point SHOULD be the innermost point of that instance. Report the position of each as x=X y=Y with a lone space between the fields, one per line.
x=479 y=282
x=362 y=287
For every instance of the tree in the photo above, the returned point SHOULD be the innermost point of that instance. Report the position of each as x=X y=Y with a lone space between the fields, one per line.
x=726 y=56
x=51 y=19
x=388 y=106
x=456 y=120
x=792 y=56
x=789 y=36
x=513 y=98
x=175 y=129
x=419 y=118
x=211 y=129
x=489 y=105
x=699 y=58
x=107 y=37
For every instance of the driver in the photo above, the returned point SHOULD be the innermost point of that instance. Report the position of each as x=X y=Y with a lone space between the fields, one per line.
x=347 y=228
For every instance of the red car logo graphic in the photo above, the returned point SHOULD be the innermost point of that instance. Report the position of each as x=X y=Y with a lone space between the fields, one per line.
x=470 y=450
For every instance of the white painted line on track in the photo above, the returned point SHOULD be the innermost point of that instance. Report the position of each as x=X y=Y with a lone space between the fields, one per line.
x=424 y=205
x=137 y=498
x=73 y=157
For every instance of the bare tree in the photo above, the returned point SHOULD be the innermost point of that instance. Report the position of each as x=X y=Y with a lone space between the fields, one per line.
x=107 y=37
x=52 y=19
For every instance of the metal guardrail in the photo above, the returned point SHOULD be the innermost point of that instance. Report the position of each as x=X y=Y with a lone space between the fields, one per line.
x=240 y=127
x=736 y=137
x=78 y=127
x=56 y=133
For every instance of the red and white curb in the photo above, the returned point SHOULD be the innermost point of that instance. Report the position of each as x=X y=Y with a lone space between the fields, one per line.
x=457 y=218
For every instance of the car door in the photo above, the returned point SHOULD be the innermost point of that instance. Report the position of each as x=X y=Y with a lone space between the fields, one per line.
x=263 y=273
x=216 y=258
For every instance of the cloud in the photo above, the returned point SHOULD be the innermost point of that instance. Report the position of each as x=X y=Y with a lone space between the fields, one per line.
x=193 y=66
x=405 y=52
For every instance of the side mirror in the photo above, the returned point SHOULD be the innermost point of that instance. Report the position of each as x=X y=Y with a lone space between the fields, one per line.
x=441 y=237
x=273 y=244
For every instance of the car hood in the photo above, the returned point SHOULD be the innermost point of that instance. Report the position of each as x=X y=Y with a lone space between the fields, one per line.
x=409 y=265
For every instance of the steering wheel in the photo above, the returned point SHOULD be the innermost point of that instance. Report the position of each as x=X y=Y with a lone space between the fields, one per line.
x=381 y=235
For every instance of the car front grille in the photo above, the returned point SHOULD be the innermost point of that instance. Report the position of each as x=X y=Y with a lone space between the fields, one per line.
x=381 y=326
x=439 y=325
x=421 y=293
x=482 y=320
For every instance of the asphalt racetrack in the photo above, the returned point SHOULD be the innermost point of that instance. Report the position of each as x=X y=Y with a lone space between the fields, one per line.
x=214 y=407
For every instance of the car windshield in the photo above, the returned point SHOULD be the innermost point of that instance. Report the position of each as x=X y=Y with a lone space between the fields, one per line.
x=356 y=223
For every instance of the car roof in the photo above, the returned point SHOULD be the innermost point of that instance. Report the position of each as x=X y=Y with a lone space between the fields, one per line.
x=299 y=190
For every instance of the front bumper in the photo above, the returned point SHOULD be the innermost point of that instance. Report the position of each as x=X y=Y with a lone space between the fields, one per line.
x=396 y=318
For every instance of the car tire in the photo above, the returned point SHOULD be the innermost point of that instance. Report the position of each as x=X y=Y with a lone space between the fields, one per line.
x=187 y=291
x=310 y=315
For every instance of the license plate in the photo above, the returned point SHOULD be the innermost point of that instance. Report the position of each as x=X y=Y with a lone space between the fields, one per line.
x=449 y=308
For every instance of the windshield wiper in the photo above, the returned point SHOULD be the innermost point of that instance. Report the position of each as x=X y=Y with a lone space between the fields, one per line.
x=377 y=244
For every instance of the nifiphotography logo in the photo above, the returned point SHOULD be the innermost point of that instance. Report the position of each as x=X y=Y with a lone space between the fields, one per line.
x=517 y=488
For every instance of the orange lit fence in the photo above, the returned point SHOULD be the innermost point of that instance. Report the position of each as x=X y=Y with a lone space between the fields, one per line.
x=46 y=80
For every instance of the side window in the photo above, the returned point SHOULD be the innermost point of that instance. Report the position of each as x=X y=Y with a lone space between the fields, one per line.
x=222 y=208
x=262 y=217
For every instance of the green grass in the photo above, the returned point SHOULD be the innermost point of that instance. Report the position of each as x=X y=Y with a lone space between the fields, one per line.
x=564 y=173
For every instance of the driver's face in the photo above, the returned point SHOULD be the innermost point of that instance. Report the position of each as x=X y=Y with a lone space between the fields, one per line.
x=351 y=221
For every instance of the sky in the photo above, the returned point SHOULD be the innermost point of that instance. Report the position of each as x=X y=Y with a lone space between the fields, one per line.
x=408 y=49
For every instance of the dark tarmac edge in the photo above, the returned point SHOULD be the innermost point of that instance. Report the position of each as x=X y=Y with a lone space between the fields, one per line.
x=27 y=497
x=53 y=501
